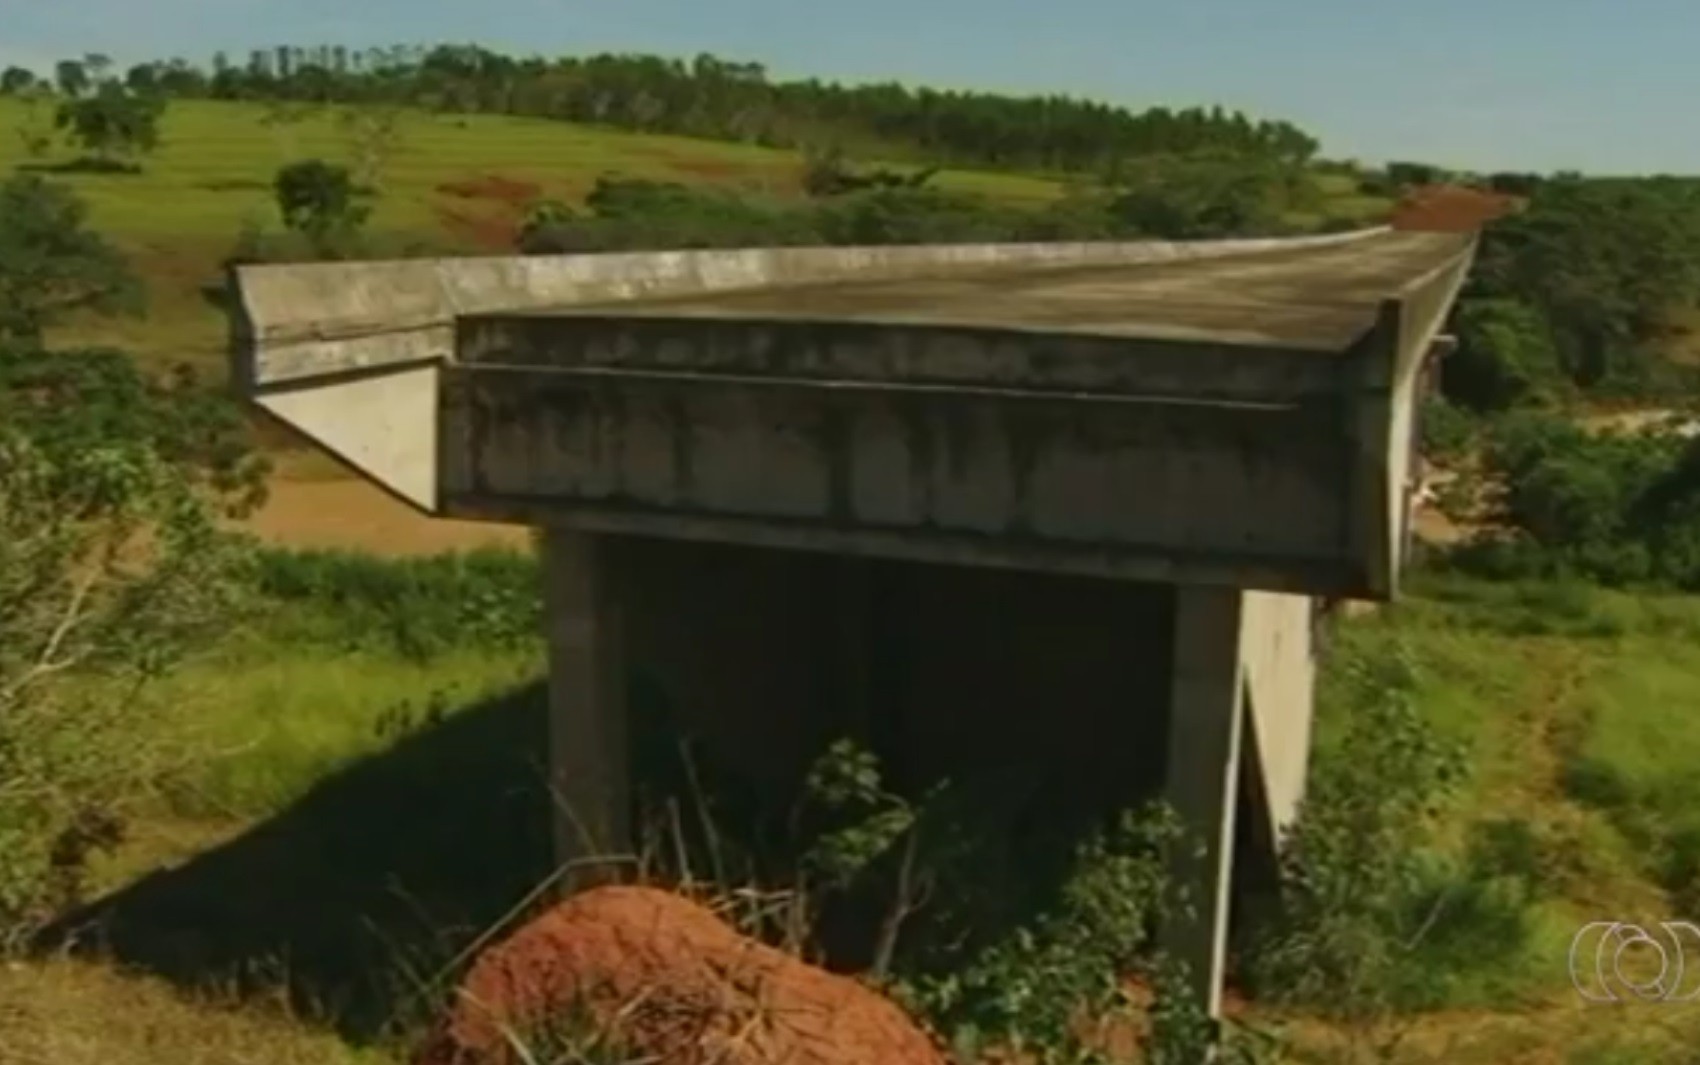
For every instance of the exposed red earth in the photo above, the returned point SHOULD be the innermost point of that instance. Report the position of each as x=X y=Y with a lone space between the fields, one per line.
x=656 y=977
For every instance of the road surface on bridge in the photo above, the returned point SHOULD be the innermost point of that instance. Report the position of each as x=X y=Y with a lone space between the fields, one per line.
x=1313 y=297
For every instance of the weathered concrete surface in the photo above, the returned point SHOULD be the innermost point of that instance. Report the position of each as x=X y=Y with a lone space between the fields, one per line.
x=1222 y=412
x=1083 y=484
x=309 y=320
x=1305 y=296
x=1278 y=658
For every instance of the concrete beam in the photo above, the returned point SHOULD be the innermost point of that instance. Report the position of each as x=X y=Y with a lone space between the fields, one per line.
x=1158 y=490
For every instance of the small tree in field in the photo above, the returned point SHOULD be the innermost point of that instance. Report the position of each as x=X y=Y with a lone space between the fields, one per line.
x=71 y=77
x=283 y=117
x=113 y=125
x=374 y=133
x=15 y=81
x=35 y=128
x=320 y=201
x=52 y=265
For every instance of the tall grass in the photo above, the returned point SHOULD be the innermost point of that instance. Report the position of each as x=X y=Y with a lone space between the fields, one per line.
x=416 y=607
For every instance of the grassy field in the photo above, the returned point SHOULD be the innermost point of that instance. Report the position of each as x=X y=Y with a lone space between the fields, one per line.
x=215 y=162
x=211 y=177
x=345 y=815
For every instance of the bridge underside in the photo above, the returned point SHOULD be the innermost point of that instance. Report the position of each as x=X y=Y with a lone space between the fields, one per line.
x=1064 y=505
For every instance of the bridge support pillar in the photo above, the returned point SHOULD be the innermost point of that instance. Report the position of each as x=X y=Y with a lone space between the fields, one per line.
x=1206 y=717
x=589 y=759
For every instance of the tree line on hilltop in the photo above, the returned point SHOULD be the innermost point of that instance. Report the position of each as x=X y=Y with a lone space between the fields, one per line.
x=705 y=97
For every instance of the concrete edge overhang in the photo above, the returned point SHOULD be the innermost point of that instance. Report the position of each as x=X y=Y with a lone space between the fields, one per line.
x=348 y=353
x=351 y=354
x=1385 y=371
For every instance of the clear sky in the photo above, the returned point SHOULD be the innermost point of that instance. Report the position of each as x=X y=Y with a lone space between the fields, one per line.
x=1596 y=85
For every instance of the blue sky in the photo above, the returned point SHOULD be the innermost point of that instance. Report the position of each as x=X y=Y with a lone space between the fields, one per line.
x=1597 y=85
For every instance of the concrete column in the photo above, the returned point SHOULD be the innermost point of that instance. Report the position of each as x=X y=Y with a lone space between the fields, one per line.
x=589 y=763
x=1203 y=774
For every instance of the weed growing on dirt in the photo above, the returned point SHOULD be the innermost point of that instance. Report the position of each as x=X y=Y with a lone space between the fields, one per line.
x=995 y=946
x=1354 y=863
x=1405 y=887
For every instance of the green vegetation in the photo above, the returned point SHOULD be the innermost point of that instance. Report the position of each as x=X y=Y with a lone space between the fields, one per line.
x=111 y=568
x=1582 y=298
x=321 y=202
x=56 y=267
x=1579 y=294
x=708 y=97
x=114 y=125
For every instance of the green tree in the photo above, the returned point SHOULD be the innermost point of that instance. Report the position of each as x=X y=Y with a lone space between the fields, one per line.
x=1406 y=173
x=1200 y=197
x=35 y=127
x=52 y=265
x=112 y=565
x=113 y=124
x=71 y=76
x=1604 y=262
x=15 y=81
x=1505 y=357
x=739 y=101
x=320 y=201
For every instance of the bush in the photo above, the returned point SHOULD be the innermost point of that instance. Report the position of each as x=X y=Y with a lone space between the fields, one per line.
x=112 y=567
x=320 y=201
x=1447 y=430
x=417 y=607
x=1603 y=264
x=1618 y=508
x=1356 y=866
x=1505 y=357
x=52 y=265
x=627 y=215
x=1202 y=197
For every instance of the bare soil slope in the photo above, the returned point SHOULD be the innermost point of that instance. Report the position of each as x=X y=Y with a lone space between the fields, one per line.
x=354 y=515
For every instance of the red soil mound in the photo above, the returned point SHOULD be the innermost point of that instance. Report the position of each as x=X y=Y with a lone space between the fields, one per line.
x=1450 y=209
x=658 y=978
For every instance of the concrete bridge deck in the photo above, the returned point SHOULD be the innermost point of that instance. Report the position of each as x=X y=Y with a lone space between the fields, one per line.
x=1321 y=298
x=775 y=476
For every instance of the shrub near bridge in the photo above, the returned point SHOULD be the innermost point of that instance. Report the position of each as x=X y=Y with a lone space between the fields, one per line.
x=112 y=567
x=1619 y=508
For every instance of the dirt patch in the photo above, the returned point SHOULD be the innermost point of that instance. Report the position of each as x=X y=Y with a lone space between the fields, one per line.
x=1450 y=209
x=501 y=206
x=357 y=516
x=495 y=188
x=708 y=170
x=489 y=231
x=656 y=977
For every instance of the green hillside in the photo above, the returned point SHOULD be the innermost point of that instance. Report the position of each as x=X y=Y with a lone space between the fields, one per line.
x=444 y=180
x=211 y=177
x=213 y=169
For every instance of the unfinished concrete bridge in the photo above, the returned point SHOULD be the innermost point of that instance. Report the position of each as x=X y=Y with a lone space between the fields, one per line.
x=1072 y=503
